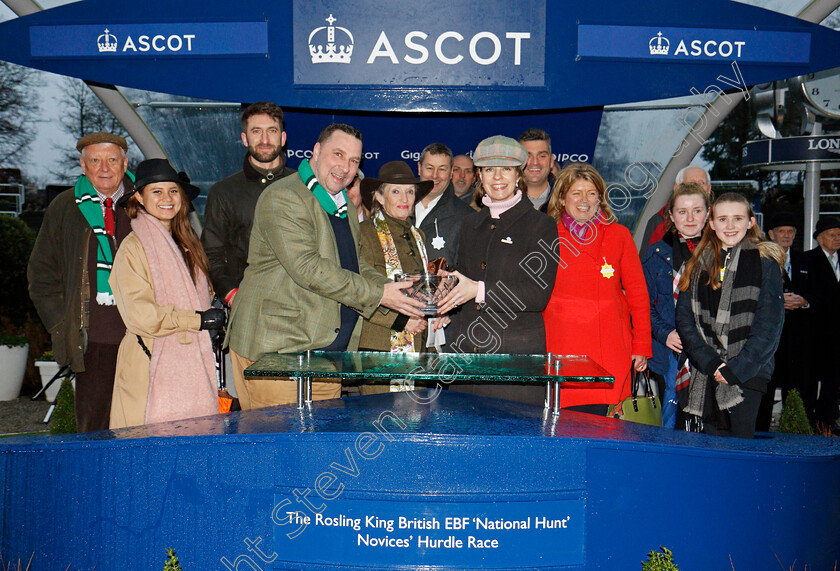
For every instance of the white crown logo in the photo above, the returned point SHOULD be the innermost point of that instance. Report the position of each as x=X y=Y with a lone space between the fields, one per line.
x=331 y=52
x=107 y=42
x=659 y=46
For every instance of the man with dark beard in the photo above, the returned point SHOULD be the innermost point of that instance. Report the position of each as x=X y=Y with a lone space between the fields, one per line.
x=229 y=213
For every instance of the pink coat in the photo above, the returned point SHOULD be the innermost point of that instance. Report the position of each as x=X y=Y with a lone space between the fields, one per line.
x=598 y=312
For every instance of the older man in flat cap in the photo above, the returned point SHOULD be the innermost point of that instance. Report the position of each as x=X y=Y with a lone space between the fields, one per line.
x=69 y=269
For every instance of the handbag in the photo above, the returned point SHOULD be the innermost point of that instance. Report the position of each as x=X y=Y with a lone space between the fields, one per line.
x=644 y=409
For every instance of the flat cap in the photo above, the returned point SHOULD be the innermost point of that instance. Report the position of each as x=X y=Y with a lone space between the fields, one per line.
x=500 y=151
x=101 y=137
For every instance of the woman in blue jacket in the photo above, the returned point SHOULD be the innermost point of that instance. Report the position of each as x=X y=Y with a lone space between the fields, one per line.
x=686 y=213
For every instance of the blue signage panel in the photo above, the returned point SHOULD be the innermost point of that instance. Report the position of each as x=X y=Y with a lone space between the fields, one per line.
x=366 y=532
x=154 y=40
x=692 y=44
x=791 y=153
x=391 y=137
x=462 y=56
x=337 y=44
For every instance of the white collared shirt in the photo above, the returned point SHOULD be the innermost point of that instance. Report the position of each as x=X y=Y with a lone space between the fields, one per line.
x=420 y=211
x=115 y=197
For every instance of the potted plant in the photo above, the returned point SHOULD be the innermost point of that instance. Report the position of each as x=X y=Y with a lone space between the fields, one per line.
x=14 y=350
x=48 y=368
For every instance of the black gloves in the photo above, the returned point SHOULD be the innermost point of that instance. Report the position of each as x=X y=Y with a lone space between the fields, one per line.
x=213 y=321
x=212 y=318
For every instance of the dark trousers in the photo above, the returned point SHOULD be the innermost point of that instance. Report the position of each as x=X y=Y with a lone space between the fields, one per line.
x=829 y=374
x=95 y=387
x=596 y=409
x=741 y=417
x=795 y=369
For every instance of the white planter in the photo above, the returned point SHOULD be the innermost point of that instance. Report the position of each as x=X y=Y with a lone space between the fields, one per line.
x=48 y=370
x=12 y=369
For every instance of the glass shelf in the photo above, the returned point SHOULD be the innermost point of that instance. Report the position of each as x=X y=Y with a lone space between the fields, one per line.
x=454 y=367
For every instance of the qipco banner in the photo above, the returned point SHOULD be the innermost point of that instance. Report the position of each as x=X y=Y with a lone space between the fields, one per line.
x=393 y=137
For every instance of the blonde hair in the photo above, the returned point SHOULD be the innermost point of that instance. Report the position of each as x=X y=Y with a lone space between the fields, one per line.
x=567 y=177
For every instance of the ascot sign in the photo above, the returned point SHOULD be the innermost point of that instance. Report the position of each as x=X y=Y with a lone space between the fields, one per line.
x=698 y=45
x=161 y=39
x=411 y=52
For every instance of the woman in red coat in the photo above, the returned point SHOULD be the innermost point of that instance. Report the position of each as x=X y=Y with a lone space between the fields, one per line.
x=599 y=306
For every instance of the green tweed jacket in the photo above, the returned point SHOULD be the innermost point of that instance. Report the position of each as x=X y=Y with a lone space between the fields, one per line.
x=289 y=299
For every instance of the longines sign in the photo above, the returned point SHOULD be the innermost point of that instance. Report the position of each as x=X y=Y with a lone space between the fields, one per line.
x=792 y=153
x=336 y=45
x=155 y=40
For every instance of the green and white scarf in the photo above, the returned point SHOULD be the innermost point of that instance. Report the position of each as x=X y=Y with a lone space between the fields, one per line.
x=324 y=198
x=90 y=206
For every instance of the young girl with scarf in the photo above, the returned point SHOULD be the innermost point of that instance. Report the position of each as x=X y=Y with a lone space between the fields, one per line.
x=686 y=213
x=165 y=366
x=730 y=313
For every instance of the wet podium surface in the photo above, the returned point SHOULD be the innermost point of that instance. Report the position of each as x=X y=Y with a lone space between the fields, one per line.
x=385 y=482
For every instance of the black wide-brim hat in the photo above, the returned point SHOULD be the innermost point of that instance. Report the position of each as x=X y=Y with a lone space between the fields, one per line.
x=826 y=223
x=159 y=170
x=782 y=218
x=394 y=172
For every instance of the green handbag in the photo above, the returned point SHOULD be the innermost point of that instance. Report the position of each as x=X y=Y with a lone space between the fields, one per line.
x=644 y=409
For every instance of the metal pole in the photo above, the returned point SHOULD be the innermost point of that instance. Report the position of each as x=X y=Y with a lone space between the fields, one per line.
x=811 y=192
x=300 y=384
x=549 y=364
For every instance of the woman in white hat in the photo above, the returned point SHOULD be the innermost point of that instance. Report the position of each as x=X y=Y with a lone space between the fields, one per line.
x=505 y=266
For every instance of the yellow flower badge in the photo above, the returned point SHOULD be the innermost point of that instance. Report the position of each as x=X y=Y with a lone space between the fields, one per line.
x=607 y=270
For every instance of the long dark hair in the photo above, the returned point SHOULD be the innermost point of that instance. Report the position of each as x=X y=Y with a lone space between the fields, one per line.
x=182 y=233
x=712 y=243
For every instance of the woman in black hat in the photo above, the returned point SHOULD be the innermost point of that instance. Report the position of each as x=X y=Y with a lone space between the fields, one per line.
x=165 y=366
x=392 y=244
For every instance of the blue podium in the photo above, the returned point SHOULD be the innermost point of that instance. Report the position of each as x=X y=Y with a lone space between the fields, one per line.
x=387 y=482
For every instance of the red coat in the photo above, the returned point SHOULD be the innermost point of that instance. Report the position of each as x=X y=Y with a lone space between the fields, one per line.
x=590 y=313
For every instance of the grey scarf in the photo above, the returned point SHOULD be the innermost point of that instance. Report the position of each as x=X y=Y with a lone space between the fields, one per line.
x=727 y=331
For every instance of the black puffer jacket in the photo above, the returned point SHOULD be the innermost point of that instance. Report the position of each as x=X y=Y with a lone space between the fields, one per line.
x=228 y=218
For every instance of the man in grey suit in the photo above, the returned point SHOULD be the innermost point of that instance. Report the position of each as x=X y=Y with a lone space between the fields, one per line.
x=305 y=285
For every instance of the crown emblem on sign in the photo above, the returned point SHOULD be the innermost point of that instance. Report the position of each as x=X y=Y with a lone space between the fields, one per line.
x=659 y=46
x=331 y=51
x=107 y=42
